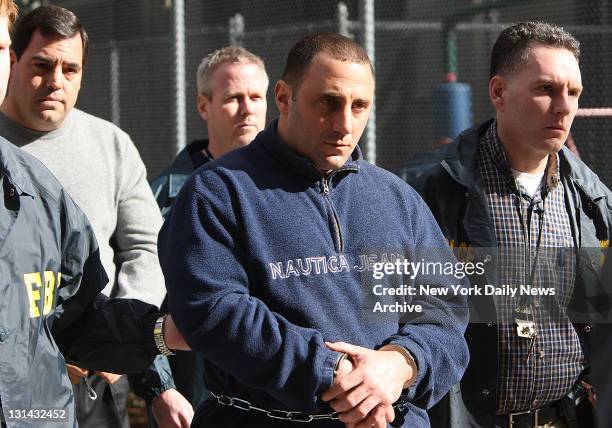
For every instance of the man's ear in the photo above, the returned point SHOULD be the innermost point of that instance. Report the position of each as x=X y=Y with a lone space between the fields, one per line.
x=203 y=104
x=13 y=59
x=497 y=89
x=282 y=96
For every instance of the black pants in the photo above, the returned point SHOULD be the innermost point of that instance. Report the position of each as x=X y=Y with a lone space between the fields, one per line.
x=109 y=410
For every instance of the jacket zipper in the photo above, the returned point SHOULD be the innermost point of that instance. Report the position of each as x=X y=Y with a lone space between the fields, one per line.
x=337 y=229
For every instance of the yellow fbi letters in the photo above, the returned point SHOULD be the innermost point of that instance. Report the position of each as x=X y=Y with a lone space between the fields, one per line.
x=46 y=282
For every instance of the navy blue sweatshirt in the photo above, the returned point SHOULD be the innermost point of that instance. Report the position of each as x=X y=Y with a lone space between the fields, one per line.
x=265 y=260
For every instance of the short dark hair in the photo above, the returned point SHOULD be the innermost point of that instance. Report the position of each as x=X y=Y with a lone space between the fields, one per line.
x=335 y=45
x=49 y=20
x=515 y=42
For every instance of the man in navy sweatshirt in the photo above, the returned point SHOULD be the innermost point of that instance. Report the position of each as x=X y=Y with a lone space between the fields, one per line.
x=279 y=256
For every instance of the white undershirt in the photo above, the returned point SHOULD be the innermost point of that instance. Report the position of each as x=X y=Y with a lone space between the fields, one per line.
x=529 y=183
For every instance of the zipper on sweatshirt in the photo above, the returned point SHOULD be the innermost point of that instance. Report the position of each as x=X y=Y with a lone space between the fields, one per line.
x=337 y=229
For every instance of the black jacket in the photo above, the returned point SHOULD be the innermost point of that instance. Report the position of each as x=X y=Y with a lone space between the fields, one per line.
x=167 y=185
x=51 y=311
x=447 y=180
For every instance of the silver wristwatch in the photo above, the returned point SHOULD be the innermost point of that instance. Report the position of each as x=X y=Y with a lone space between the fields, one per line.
x=158 y=336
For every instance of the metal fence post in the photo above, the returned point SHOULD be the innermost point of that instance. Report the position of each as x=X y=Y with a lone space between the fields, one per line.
x=180 y=116
x=115 y=89
x=343 y=20
x=368 y=23
x=236 y=30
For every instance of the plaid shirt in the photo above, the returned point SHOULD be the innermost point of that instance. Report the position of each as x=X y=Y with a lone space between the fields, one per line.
x=536 y=247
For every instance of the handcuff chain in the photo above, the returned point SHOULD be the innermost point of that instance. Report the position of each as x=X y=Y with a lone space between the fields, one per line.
x=285 y=415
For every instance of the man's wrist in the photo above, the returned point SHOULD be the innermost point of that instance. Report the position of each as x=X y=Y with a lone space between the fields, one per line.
x=153 y=393
x=409 y=360
x=159 y=393
x=341 y=358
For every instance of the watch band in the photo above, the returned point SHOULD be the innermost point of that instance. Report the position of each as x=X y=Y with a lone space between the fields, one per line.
x=158 y=336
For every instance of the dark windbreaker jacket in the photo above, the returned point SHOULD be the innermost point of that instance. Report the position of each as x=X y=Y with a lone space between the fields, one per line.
x=447 y=179
x=51 y=310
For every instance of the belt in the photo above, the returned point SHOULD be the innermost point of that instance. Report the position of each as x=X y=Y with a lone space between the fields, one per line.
x=285 y=415
x=530 y=418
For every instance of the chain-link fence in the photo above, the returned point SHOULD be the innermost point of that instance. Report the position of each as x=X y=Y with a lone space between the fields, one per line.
x=134 y=74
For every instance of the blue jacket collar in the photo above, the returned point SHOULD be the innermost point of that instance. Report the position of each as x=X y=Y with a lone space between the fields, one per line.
x=296 y=163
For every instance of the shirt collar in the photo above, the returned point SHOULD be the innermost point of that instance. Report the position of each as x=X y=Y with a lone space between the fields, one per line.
x=495 y=149
x=21 y=136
